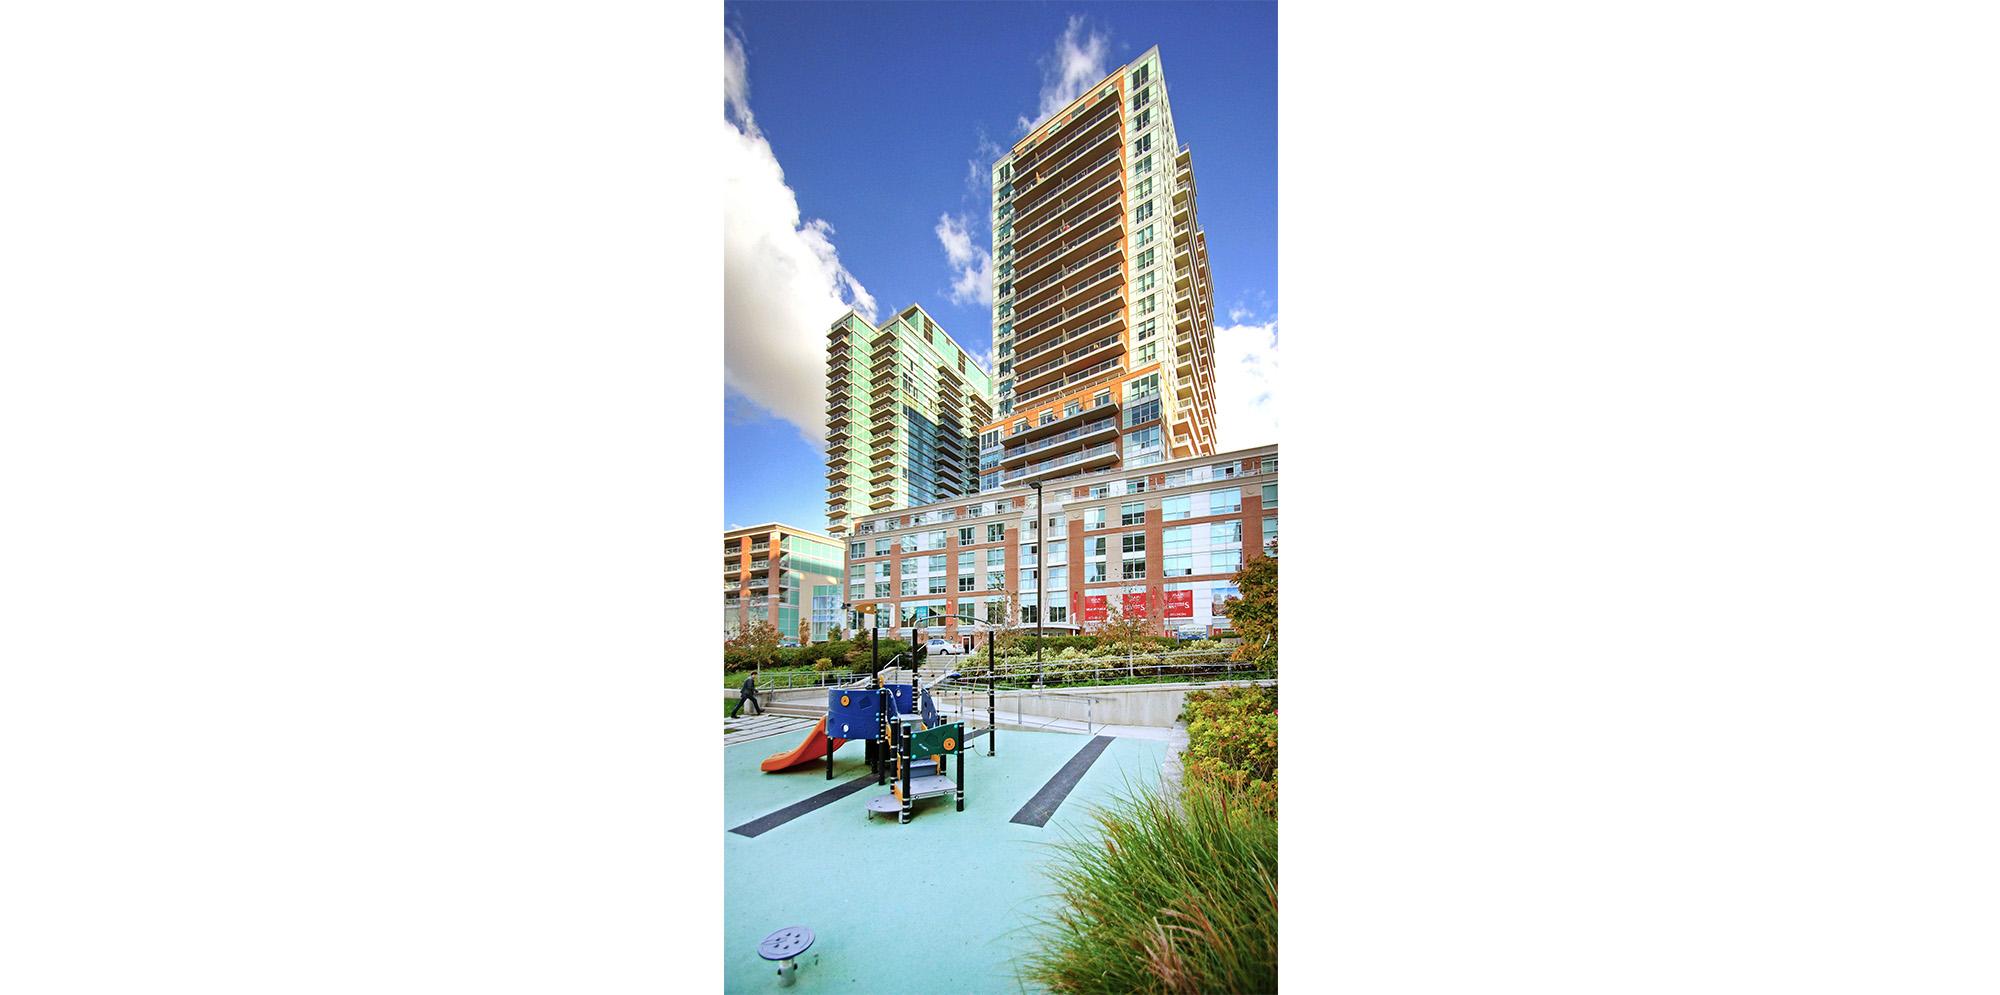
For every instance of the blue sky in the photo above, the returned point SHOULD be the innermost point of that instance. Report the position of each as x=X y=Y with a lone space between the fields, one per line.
x=858 y=141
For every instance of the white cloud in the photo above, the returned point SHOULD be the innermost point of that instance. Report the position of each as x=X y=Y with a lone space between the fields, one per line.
x=973 y=280
x=1238 y=313
x=783 y=282
x=1246 y=385
x=1076 y=62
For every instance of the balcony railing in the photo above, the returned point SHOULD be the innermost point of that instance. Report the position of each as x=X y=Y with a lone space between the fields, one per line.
x=1068 y=357
x=1075 y=378
x=1034 y=159
x=1056 y=440
x=1079 y=331
x=1059 y=462
x=1111 y=270
x=1024 y=229
x=1072 y=243
x=1055 y=169
x=1066 y=271
x=1073 y=198
x=1046 y=239
x=1024 y=334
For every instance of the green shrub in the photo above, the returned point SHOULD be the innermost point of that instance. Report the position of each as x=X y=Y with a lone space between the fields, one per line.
x=1233 y=741
x=1169 y=899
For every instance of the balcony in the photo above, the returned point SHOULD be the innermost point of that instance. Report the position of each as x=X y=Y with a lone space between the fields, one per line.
x=1021 y=297
x=1059 y=209
x=1038 y=174
x=1106 y=307
x=1033 y=378
x=1106 y=105
x=1081 y=432
x=1105 y=368
x=1022 y=316
x=1094 y=238
x=1094 y=457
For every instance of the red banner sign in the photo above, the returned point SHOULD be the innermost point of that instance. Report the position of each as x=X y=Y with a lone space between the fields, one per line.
x=1135 y=605
x=1094 y=608
x=1180 y=604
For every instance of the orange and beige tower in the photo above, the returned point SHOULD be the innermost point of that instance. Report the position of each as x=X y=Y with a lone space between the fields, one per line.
x=1103 y=310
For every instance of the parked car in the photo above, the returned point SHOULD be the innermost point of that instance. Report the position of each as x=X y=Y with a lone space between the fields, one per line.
x=940 y=646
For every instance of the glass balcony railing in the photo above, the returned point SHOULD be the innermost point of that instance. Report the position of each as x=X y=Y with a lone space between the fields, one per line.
x=1056 y=440
x=1059 y=462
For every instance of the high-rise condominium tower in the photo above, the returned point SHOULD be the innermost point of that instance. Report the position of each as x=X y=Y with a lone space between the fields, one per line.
x=903 y=404
x=1103 y=318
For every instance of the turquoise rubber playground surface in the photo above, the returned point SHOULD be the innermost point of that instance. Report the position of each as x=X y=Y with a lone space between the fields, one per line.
x=941 y=905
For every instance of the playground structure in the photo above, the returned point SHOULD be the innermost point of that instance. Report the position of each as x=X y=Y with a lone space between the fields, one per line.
x=908 y=747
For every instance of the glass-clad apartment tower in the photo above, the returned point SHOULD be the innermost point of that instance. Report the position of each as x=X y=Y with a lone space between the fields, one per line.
x=903 y=405
x=1103 y=311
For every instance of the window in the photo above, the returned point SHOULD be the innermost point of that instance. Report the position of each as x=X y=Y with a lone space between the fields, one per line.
x=936 y=564
x=1058 y=578
x=1151 y=302
x=882 y=570
x=883 y=545
x=909 y=586
x=1132 y=513
x=1271 y=464
x=1020 y=426
x=1143 y=167
x=1270 y=495
x=1177 y=566
x=1136 y=485
x=965 y=536
x=1225 y=561
x=996 y=532
x=1144 y=119
x=1102 y=398
x=996 y=559
x=1148 y=353
x=1096 y=548
x=1143 y=259
x=1228 y=533
x=1132 y=569
x=1099 y=490
x=1223 y=471
x=857 y=550
x=989 y=439
x=1149 y=280
x=996 y=581
x=966 y=582
x=1174 y=509
x=937 y=585
x=934 y=540
x=1058 y=551
x=881 y=588
x=1132 y=543
x=1093 y=518
x=910 y=565
x=1093 y=573
x=1027 y=580
x=909 y=544
x=1047 y=417
x=1179 y=539
x=1072 y=408
x=1145 y=187
x=856 y=592
x=1225 y=501
x=1142 y=212
x=1270 y=532
x=1058 y=613
x=1028 y=555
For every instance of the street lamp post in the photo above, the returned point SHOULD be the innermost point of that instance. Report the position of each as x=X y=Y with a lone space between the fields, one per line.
x=1039 y=607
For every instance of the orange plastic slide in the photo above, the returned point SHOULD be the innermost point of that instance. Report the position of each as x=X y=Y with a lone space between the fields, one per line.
x=813 y=748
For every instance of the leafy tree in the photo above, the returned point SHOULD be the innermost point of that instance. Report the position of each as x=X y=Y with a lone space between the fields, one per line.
x=1010 y=639
x=755 y=645
x=805 y=632
x=1125 y=633
x=1254 y=615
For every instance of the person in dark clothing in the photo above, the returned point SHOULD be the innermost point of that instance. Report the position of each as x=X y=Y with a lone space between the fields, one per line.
x=748 y=693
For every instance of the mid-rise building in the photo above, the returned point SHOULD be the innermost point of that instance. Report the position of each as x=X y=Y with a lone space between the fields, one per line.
x=1103 y=310
x=903 y=407
x=1163 y=542
x=783 y=575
